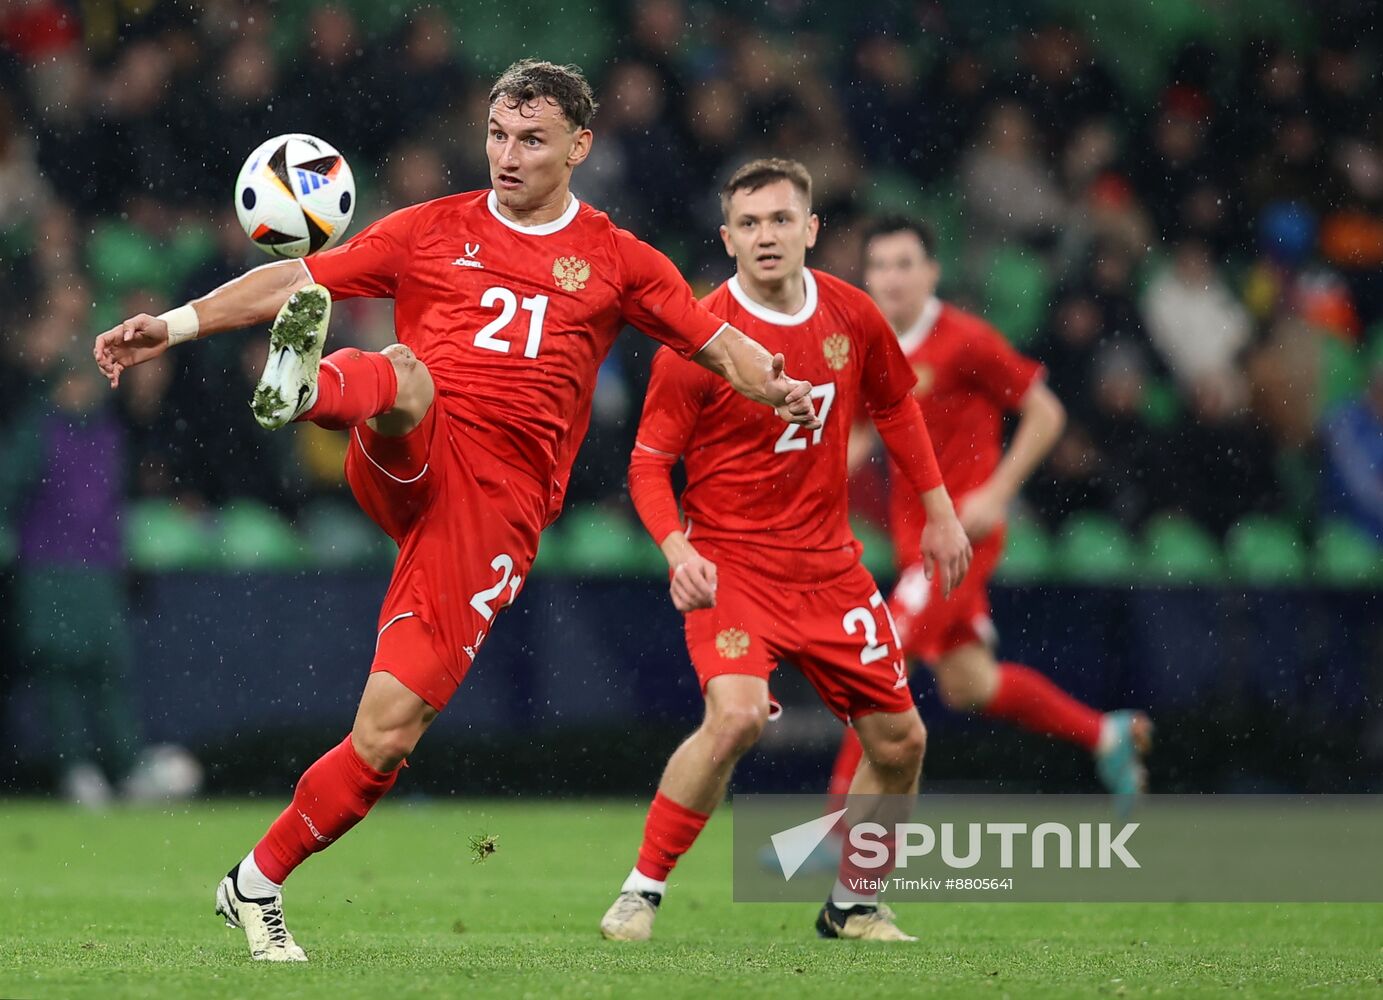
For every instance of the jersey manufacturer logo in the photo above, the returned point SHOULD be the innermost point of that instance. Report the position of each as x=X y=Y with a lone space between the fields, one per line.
x=836 y=347
x=469 y=260
x=732 y=643
x=925 y=378
x=571 y=273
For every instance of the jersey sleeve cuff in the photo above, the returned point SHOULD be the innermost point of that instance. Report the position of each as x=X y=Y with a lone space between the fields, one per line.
x=712 y=338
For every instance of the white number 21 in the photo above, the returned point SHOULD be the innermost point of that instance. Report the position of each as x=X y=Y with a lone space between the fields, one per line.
x=824 y=395
x=508 y=302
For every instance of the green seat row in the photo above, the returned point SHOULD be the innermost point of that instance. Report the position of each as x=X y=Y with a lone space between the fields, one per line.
x=1259 y=550
x=604 y=541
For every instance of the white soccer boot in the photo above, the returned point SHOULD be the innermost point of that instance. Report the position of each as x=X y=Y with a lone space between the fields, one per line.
x=261 y=920
x=288 y=386
x=859 y=923
x=630 y=917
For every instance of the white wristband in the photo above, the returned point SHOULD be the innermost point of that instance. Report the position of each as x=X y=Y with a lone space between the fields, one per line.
x=183 y=324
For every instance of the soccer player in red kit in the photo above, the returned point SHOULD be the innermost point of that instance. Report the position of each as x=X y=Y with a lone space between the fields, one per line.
x=968 y=378
x=462 y=436
x=763 y=562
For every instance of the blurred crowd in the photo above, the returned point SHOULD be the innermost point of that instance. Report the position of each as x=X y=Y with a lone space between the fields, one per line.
x=1197 y=260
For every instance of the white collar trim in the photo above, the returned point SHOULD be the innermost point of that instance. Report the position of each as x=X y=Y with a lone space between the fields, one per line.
x=772 y=315
x=543 y=229
x=911 y=338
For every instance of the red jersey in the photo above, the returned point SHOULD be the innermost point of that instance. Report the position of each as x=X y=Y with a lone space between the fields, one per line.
x=513 y=321
x=968 y=377
x=751 y=477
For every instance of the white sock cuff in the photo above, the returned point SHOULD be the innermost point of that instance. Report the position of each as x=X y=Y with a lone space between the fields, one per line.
x=1108 y=736
x=253 y=883
x=639 y=882
x=845 y=897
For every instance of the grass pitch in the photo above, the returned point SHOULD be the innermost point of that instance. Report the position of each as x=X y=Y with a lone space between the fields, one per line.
x=120 y=905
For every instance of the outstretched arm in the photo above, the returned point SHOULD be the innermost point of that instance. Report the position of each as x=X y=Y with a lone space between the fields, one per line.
x=755 y=373
x=254 y=297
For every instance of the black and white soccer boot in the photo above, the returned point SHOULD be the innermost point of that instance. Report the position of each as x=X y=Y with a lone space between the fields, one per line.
x=861 y=922
x=630 y=916
x=288 y=386
x=260 y=919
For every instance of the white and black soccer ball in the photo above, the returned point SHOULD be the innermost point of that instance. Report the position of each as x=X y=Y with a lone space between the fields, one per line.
x=295 y=195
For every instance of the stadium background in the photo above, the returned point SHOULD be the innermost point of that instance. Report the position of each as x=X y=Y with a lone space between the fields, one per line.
x=1178 y=209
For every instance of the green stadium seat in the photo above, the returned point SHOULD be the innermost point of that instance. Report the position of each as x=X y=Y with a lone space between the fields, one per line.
x=603 y=542
x=255 y=537
x=878 y=547
x=1345 y=555
x=1094 y=548
x=1344 y=370
x=161 y=535
x=1027 y=553
x=337 y=535
x=552 y=552
x=1017 y=293
x=1161 y=404
x=1265 y=551
x=121 y=257
x=1177 y=550
x=892 y=191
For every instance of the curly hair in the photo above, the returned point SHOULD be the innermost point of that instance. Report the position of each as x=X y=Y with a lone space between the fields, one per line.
x=533 y=79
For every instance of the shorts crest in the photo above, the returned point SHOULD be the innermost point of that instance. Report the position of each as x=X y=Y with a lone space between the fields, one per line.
x=732 y=643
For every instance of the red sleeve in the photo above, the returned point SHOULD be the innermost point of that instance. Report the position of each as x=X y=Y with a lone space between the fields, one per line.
x=904 y=433
x=657 y=299
x=671 y=406
x=886 y=392
x=369 y=263
x=887 y=376
x=1000 y=372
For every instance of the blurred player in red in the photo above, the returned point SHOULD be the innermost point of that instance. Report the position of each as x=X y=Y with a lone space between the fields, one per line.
x=763 y=562
x=968 y=378
x=462 y=436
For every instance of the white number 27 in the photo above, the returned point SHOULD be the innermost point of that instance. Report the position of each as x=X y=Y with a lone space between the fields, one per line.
x=824 y=395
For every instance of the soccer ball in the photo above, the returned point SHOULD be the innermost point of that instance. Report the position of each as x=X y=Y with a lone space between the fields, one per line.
x=295 y=195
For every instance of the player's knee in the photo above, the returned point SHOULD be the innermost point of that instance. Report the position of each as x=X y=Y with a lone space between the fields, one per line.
x=956 y=695
x=384 y=748
x=901 y=752
x=736 y=727
x=959 y=689
x=415 y=388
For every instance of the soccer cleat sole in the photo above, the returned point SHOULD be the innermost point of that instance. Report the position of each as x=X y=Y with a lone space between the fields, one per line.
x=295 y=352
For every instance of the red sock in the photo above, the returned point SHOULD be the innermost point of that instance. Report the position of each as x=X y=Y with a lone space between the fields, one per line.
x=352 y=387
x=860 y=882
x=332 y=796
x=668 y=833
x=843 y=773
x=1028 y=699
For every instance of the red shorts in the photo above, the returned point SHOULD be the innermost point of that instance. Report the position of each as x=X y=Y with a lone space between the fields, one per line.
x=932 y=626
x=465 y=527
x=839 y=635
